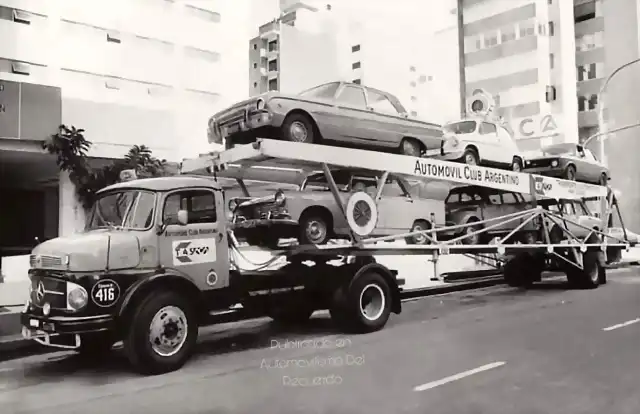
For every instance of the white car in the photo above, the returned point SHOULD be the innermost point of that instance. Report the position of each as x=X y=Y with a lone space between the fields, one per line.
x=480 y=142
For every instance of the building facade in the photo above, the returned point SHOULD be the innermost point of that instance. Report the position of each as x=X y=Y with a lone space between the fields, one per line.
x=547 y=60
x=145 y=72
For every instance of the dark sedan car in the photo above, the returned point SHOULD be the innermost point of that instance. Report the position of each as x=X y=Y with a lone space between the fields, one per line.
x=344 y=113
x=568 y=161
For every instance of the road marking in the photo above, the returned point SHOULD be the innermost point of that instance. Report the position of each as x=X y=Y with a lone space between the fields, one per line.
x=622 y=325
x=457 y=377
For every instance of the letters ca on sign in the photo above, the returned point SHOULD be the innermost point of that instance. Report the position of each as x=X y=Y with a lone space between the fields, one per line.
x=529 y=127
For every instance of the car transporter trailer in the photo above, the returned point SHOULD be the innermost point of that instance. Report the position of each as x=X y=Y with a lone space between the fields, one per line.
x=582 y=259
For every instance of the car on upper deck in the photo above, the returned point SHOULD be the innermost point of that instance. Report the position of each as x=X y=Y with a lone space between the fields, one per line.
x=480 y=141
x=312 y=215
x=569 y=161
x=342 y=113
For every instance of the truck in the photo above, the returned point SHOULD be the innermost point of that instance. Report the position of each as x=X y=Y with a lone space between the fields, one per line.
x=156 y=261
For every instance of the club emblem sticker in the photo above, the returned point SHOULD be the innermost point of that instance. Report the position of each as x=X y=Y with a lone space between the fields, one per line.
x=186 y=252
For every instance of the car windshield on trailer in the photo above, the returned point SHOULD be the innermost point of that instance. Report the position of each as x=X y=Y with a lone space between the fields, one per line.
x=318 y=182
x=325 y=91
x=463 y=127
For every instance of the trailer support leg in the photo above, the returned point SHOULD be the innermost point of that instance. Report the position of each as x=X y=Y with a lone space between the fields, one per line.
x=434 y=258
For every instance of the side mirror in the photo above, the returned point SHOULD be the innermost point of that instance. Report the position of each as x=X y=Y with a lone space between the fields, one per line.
x=183 y=217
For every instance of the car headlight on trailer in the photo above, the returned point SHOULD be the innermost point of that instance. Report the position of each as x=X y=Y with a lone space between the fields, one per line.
x=554 y=163
x=279 y=198
x=452 y=142
x=261 y=104
x=77 y=297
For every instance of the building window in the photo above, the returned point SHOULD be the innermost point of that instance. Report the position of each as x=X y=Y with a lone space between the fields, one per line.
x=591 y=71
x=357 y=81
x=423 y=79
x=593 y=102
x=413 y=84
x=273 y=46
x=527 y=29
x=491 y=39
x=20 y=16
x=355 y=48
x=582 y=103
x=552 y=60
x=273 y=65
x=273 y=85
x=412 y=69
x=508 y=34
x=255 y=66
x=355 y=65
x=589 y=42
x=255 y=84
x=414 y=99
x=585 y=11
x=255 y=46
x=551 y=30
x=414 y=113
x=20 y=68
x=203 y=14
x=587 y=72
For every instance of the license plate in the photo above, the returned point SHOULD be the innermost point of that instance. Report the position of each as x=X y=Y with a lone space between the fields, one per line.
x=34 y=323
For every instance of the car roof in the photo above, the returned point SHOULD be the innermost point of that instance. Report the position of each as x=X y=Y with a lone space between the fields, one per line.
x=163 y=183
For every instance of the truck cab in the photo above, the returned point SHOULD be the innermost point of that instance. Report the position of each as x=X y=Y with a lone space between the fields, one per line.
x=153 y=264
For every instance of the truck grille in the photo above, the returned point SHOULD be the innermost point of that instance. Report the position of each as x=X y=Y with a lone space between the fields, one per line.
x=48 y=290
x=45 y=262
x=260 y=211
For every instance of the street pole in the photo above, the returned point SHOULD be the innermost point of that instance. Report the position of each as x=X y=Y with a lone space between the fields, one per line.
x=600 y=134
x=602 y=127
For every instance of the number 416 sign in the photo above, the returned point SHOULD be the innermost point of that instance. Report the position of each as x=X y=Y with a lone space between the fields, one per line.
x=105 y=293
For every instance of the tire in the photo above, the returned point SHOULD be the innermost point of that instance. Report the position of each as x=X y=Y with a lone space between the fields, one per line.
x=299 y=128
x=477 y=239
x=417 y=226
x=570 y=173
x=348 y=310
x=516 y=165
x=471 y=157
x=147 y=315
x=591 y=276
x=410 y=147
x=523 y=270
x=603 y=179
x=95 y=345
x=315 y=228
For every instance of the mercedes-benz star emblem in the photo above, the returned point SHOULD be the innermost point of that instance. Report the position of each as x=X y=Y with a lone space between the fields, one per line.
x=40 y=292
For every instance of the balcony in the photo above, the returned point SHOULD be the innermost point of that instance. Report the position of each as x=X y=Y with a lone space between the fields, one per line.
x=272 y=74
x=263 y=53
x=263 y=72
x=272 y=54
x=269 y=31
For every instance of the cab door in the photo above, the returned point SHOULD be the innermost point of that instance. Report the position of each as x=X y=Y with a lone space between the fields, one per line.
x=197 y=250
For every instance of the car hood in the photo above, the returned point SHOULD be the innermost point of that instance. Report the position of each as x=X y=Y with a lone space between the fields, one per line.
x=87 y=252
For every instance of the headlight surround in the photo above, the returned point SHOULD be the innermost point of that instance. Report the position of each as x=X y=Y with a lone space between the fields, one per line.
x=260 y=104
x=280 y=198
x=452 y=142
x=77 y=297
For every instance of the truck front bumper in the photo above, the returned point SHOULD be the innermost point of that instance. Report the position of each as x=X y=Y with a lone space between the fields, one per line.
x=63 y=331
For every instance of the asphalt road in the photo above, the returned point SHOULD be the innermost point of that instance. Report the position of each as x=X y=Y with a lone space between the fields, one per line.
x=496 y=350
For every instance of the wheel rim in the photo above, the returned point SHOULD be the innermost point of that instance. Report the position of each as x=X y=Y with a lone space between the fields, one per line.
x=594 y=275
x=410 y=149
x=168 y=331
x=470 y=159
x=298 y=131
x=571 y=174
x=516 y=166
x=361 y=213
x=316 y=231
x=372 y=302
x=419 y=238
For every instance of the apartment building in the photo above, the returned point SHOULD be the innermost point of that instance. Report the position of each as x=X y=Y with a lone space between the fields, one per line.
x=146 y=72
x=545 y=62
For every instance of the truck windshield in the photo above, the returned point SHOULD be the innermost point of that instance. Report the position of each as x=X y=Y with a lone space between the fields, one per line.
x=131 y=209
x=464 y=127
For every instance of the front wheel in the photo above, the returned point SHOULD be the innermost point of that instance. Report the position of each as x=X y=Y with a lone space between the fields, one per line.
x=471 y=157
x=314 y=229
x=162 y=333
x=423 y=238
x=298 y=128
x=570 y=173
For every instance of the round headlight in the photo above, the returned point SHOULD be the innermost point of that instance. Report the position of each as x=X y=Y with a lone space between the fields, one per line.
x=279 y=198
x=261 y=104
x=554 y=163
x=77 y=297
x=233 y=204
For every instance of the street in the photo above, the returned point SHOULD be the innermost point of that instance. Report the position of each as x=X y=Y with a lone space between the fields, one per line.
x=495 y=350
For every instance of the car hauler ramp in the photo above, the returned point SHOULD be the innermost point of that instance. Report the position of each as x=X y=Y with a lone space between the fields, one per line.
x=298 y=156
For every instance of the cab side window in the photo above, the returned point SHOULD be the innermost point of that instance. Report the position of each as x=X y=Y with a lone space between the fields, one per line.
x=509 y=198
x=495 y=199
x=199 y=204
x=486 y=128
